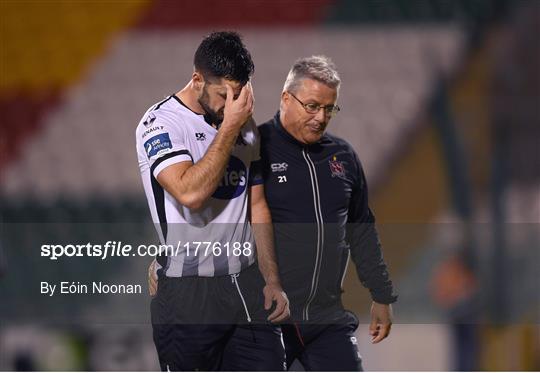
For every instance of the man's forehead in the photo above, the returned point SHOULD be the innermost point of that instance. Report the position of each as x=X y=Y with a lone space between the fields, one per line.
x=221 y=85
x=315 y=90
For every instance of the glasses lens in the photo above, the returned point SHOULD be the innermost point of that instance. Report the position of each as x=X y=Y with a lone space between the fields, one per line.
x=312 y=108
x=331 y=110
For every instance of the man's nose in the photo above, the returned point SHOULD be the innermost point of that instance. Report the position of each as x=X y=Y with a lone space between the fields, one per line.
x=321 y=115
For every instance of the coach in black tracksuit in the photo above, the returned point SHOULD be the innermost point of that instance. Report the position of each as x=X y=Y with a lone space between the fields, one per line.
x=317 y=194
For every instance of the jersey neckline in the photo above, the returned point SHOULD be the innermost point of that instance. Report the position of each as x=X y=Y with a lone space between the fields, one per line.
x=204 y=116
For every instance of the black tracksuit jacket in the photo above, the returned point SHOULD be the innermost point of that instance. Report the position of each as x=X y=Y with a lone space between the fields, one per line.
x=317 y=195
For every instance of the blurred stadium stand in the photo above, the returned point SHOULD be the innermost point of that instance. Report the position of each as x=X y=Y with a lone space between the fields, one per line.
x=383 y=70
x=439 y=98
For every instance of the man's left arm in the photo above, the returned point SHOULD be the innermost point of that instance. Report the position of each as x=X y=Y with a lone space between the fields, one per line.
x=366 y=253
x=261 y=222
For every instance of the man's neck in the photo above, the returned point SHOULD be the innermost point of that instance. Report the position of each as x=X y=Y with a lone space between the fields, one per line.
x=189 y=97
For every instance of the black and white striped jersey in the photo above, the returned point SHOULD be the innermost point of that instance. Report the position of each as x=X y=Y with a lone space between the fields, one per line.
x=202 y=242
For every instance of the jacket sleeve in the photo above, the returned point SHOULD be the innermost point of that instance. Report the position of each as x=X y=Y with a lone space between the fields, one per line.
x=366 y=251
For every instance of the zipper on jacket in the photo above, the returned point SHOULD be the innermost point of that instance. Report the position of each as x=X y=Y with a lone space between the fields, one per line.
x=234 y=279
x=344 y=270
x=320 y=233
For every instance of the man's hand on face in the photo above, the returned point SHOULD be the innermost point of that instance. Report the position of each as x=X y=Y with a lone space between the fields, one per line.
x=238 y=112
x=381 y=321
x=274 y=293
x=152 y=279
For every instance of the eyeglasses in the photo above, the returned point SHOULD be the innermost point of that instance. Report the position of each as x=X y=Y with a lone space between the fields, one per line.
x=311 y=108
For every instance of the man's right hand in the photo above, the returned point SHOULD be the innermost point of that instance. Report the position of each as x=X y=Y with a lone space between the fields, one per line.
x=237 y=112
x=152 y=279
x=274 y=293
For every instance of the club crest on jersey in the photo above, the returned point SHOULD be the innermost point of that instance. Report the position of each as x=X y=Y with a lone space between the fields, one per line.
x=337 y=168
x=234 y=181
x=149 y=119
x=200 y=136
x=158 y=145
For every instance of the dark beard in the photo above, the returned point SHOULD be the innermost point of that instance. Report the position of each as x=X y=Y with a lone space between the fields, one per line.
x=210 y=116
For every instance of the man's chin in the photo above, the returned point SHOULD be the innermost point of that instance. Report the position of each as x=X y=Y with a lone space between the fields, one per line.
x=213 y=119
x=312 y=138
x=217 y=118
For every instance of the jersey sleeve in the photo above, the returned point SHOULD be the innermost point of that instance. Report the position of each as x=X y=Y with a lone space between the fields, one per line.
x=164 y=142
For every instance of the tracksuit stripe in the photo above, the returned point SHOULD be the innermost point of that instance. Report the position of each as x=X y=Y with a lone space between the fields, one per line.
x=320 y=233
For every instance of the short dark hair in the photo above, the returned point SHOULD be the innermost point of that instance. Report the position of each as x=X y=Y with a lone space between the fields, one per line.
x=224 y=55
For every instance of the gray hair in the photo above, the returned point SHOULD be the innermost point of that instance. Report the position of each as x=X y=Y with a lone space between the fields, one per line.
x=320 y=68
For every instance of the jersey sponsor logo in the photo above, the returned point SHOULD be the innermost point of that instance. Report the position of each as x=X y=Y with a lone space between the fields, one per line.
x=279 y=167
x=152 y=129
x=149 y=119
x=234 y=180
x=158 y=145
x=200 y=136
x=336 y=168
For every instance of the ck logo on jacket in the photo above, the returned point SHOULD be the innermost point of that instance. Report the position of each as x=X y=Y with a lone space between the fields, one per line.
x=279 y=167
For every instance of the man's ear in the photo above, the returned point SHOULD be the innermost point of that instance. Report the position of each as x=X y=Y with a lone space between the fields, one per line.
x=198 y=80
x=284 y=99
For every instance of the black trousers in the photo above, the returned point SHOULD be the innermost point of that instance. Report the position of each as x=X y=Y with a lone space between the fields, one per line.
x=215 y=323
x=324 y=347
x=247 y=347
